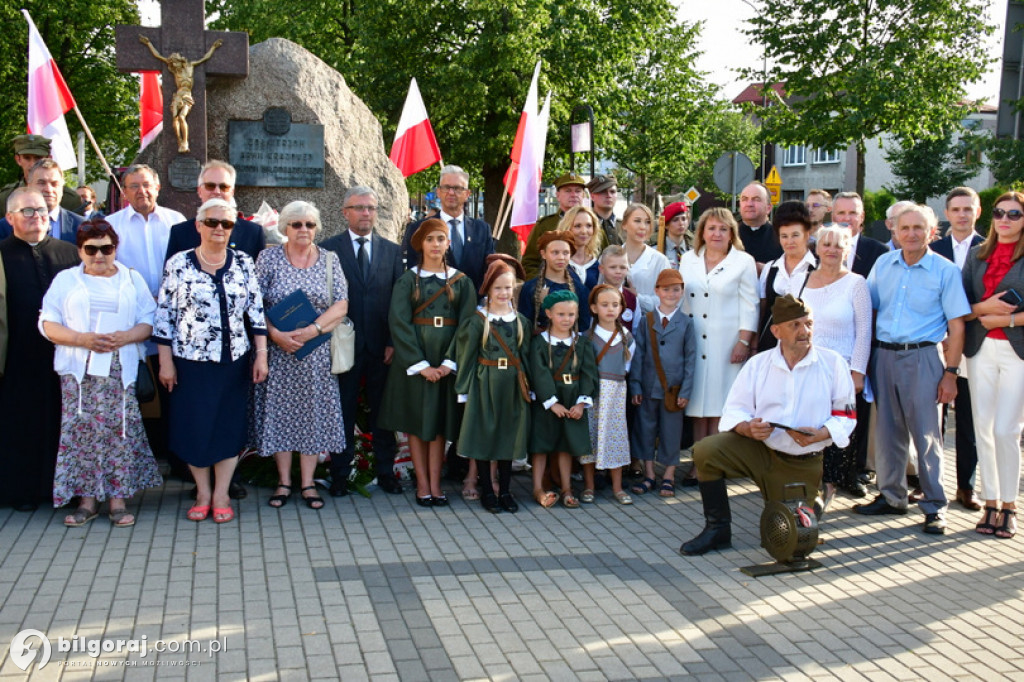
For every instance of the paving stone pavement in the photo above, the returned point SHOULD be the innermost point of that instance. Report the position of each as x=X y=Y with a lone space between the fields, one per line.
x=381 y=589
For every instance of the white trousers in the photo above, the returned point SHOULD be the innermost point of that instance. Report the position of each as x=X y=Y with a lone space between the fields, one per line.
x=997 y=402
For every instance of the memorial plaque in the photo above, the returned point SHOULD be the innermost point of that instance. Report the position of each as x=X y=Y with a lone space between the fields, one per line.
x=277 y=120
x=183 y=172
x=263 y=159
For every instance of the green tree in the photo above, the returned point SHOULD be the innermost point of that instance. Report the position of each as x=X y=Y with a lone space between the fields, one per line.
x=854 y=70
x=1005 y=159
x=80 y=36
x=473 y=60
x=929 y=167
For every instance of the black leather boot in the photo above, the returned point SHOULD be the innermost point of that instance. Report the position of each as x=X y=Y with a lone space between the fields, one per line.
x=717 y=533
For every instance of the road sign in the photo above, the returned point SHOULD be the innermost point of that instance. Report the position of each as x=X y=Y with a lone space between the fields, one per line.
x=774 y=185
x=692 y=195
x=733 y=172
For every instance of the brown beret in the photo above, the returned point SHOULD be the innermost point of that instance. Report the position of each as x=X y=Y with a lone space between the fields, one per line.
x=788 y=308
x=426 y=227
x=556 y=236
x=669 y=277
x=497 y=265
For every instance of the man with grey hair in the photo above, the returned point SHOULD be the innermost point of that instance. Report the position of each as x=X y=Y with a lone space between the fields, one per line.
x=143 y=227
x=919 y=298
x=47 y=178
x=890 y=221
x=217 y=181
x=471 y=240
x=371 y=265
x=848 y=210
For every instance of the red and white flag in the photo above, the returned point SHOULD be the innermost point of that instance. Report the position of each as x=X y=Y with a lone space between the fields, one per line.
x=151 y=108
x=415 y=146
x=529 y=111
x=526 y=204
x=48 y=99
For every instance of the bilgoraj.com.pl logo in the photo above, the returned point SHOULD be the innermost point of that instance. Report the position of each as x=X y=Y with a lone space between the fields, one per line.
x=28 y=643
x=22 y=651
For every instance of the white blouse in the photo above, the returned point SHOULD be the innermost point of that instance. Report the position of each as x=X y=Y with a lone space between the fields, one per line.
x=644 y=275
x=842 y=319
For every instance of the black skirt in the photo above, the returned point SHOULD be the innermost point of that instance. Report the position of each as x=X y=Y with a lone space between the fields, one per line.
x=209 y=409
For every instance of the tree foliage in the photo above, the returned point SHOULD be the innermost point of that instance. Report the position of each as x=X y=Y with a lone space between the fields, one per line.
x=929 y=167
x=1005 y=160
x=473 y=60
x=80 y=36
x=854 y=70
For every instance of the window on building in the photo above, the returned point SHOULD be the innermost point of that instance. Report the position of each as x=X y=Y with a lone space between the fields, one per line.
x=826 y=156
x=794 y=156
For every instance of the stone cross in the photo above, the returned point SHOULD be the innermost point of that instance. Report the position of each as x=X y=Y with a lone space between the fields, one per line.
x=182 y=33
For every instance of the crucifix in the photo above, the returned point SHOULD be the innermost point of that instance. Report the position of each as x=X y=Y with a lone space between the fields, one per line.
x=190 y=54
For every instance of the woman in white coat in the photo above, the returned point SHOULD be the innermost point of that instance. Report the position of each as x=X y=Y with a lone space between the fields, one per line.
x=721 y=297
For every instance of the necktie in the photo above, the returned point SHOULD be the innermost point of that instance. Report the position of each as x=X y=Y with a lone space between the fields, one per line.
x=364 y=260
x=664 y=322
x=54 y=229
x=456 y=240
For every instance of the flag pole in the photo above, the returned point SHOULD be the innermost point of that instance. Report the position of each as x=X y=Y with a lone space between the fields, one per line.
x=96 y=147
x=496 y=231
x=504 y=216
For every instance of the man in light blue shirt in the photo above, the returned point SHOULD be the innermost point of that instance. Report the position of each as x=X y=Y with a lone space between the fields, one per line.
x=919 y=299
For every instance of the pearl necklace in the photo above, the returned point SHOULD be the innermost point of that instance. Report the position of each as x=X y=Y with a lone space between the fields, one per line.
x=199 y=252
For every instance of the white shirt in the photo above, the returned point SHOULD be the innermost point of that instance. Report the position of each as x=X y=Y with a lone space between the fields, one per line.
x=143 y=241
x=809 y=395
x=852 y=256
x=460 y=225
x=367 y=246
x=786 y=282
x=961 y=249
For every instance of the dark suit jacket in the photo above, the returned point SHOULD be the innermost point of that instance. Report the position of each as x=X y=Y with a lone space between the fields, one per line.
x=974 y=287
x=247 y=237
x=944 y=246
x=69 y=223
x=478 y=245
x=369 y=301
x=868 y=251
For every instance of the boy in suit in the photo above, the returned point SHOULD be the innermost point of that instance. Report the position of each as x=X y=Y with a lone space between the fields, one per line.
x=664 y=363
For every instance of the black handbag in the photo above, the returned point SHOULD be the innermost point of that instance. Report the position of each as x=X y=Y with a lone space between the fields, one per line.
x=145 y=387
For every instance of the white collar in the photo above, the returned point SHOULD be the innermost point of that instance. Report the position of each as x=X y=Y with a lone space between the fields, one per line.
x=55 y=214
x=957 y=243
x=449 y=218
x=448 y=274
x=558 y=342
x=510 y=316
x=604 y=334
x=355 y=237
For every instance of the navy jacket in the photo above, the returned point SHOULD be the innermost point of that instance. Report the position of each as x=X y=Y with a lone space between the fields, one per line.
x=868 y=251
x=369 y=301
x=944 y=246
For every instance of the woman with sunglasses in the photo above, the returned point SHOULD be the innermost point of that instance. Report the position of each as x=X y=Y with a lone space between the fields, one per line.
x=282 y=416
x=205 y=297
x=98 y=315
x=994 y=346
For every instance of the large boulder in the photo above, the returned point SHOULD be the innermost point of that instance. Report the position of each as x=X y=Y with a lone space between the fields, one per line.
x=284 y=74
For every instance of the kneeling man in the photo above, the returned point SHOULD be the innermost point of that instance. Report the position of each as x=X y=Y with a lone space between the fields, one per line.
x=786 y=406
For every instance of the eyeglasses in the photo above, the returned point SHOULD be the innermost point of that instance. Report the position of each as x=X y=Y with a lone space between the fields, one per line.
x=28 y=211
x=1013 y=215
x=452 y=188
x=213 y=222
x=91 y=249
x=298 y=225
x=361 y=208
x=817 y=205
x=135 y=187
x=210 y=186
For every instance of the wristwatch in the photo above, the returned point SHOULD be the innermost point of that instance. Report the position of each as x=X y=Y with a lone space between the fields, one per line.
x=955 y=371
x=320 y=330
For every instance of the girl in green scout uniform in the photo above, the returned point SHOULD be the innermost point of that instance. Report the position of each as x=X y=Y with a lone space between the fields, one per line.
x=491 y=348
x=427 y=305
x=563 y=371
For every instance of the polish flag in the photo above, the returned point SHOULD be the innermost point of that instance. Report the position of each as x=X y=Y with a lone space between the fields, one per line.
x=529 y=111
x=151 y=108
x=525 y=204
x=415 y=146
x=48 y=99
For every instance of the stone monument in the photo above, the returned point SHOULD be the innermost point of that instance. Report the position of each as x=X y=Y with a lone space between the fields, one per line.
x=268 y=124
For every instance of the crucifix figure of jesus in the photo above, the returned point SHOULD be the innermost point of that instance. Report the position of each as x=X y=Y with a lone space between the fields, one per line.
x=182 y=101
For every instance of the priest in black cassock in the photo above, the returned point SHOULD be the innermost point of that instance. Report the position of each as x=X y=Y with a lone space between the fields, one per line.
x=29 y=389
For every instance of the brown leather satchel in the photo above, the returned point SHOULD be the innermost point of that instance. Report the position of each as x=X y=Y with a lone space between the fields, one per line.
x=671 y=392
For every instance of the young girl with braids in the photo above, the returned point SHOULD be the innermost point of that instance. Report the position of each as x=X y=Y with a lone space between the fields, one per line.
x=614 y=348
x=491 y=348
x=564 y=376
x=556 y=249
x=427 y=305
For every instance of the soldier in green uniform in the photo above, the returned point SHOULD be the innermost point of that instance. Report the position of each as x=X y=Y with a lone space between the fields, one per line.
x=569 y=192
x=563 y=371
x=28 y=149
x=428 y=303
x=491 y=348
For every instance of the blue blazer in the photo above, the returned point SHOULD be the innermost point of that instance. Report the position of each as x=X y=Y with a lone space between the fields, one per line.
x=478 y=245
x=677 y=348
x=369 y=300
x=247 y=237
x=944 y=246
x=69 y=223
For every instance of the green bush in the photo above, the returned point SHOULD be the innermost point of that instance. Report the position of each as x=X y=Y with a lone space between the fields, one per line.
x=876 y=203
x=988 y=199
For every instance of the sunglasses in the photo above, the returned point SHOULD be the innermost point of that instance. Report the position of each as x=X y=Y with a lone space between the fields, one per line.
x=1013 y=215
x=213 y=222
x=298 y=225
x=92 y=249
x=210 y=186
